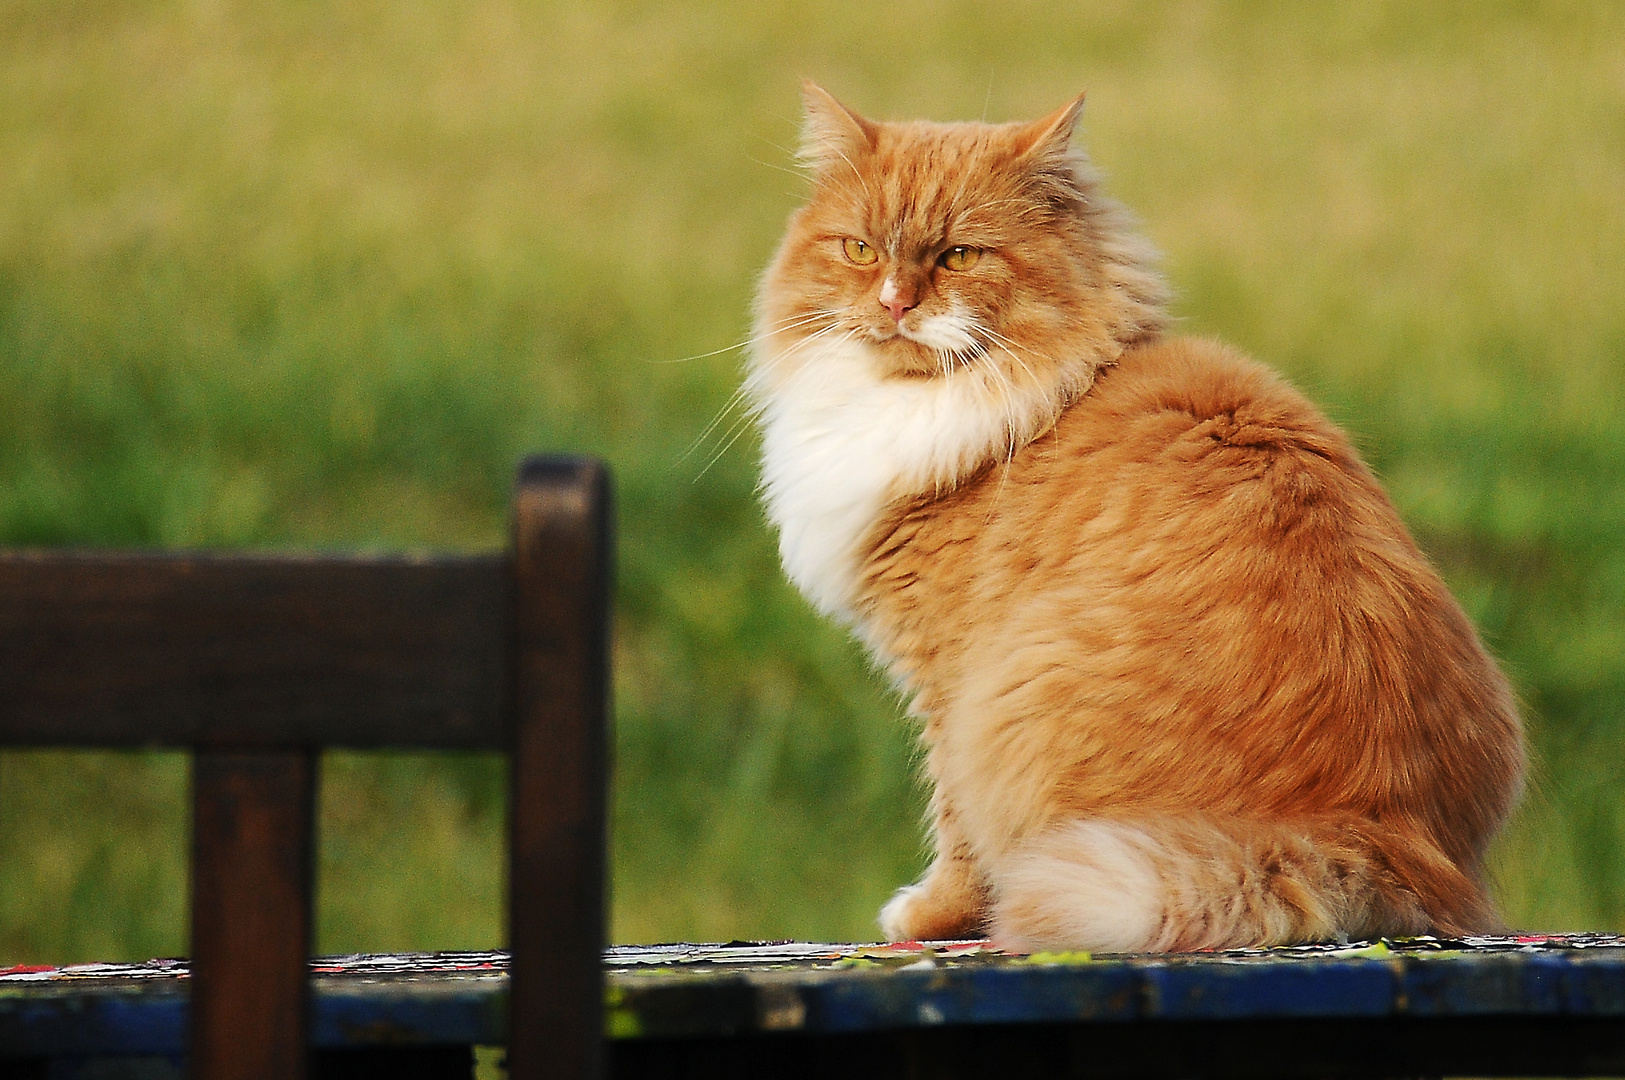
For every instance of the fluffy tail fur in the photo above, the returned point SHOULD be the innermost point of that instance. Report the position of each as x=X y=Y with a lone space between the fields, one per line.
x=1175 y=883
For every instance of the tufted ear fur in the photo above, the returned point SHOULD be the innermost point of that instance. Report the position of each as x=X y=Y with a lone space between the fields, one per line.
x=1049 y=138
x=1044 y=147
x=1047 y=142
x=831 y=133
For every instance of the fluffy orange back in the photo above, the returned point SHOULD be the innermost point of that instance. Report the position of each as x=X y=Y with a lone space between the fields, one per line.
x=1185 y=680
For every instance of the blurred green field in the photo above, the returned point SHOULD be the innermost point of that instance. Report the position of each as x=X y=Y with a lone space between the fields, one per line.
x=317 y=274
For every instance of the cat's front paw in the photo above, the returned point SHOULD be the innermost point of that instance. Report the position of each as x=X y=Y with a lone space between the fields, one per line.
x=918 y=913
x=897 y=917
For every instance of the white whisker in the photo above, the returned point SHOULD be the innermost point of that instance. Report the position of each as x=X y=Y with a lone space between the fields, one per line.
x=742 y=423
x=793 y=322
x=737 y=426
x=793 y=172
x=728 y=406
x=785 y=150
x=1011 y=346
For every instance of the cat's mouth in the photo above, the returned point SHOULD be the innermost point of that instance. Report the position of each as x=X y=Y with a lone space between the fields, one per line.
x=905 y=355
x=928 y=349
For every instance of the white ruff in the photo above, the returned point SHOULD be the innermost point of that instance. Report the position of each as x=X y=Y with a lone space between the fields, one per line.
x=839 y=443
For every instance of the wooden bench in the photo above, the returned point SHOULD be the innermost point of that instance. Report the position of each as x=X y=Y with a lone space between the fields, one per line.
x=255 y=662
x=1532 y=1005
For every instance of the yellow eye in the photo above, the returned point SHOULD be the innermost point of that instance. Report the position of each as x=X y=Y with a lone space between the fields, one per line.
x=858 y=251
x=961 y=257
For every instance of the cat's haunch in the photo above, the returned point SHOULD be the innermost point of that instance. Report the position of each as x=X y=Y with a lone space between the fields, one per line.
x=1185 y=680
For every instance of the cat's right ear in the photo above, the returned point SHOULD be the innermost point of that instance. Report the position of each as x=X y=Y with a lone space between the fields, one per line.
x=832 y=134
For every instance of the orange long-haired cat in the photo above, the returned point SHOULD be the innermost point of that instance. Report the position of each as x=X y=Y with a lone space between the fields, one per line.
x=1186 y=681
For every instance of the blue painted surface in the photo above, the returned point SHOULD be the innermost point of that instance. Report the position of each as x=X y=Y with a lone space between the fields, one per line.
x=422 y=1013
x=1523 y=983
x=1548 y=977
x=1002 y=995
x=721 y=990
x=1219 y=991
x=121 y=1021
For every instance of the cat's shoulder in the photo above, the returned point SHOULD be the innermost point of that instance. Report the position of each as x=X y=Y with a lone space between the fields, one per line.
x=1189 y=386
x=1201 y=377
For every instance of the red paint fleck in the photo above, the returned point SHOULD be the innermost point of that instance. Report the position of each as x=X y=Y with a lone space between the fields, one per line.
x=26 y=969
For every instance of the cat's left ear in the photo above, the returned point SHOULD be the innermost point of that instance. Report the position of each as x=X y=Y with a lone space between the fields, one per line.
x=1050 y=137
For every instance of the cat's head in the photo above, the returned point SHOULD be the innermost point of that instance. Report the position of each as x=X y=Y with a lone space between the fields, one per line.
x=949 y=247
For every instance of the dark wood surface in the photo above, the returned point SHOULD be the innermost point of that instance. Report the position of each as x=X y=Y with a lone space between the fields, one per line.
x=252 y=818
x=562 y=548
x=1531 y=1005
x=142 y=649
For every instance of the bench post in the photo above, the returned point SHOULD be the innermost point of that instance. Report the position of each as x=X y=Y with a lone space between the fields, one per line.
x=558 y=757
x=252 y=825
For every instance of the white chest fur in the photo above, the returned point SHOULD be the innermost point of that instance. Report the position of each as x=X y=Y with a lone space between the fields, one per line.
x=839 y=443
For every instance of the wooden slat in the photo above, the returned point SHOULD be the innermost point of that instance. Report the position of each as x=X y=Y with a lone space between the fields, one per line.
x=251 y=912
x=562 y=561
x=122 y=649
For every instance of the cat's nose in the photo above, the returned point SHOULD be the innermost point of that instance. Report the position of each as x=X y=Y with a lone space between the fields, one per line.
x=897 y=300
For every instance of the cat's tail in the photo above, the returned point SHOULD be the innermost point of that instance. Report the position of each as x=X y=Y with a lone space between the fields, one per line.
x=1173 y=883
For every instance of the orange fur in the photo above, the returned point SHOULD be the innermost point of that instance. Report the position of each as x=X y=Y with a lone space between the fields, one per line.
x=1186 y=681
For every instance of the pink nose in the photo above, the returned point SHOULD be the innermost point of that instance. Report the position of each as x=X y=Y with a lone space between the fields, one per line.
x=899 y=299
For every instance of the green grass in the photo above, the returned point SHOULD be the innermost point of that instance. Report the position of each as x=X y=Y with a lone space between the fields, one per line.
x=314 y=274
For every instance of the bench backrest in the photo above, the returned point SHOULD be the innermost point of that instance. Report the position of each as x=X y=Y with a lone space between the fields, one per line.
x=256 y=662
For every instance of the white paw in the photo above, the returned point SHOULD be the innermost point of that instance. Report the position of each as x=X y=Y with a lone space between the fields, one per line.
x=897 y=917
